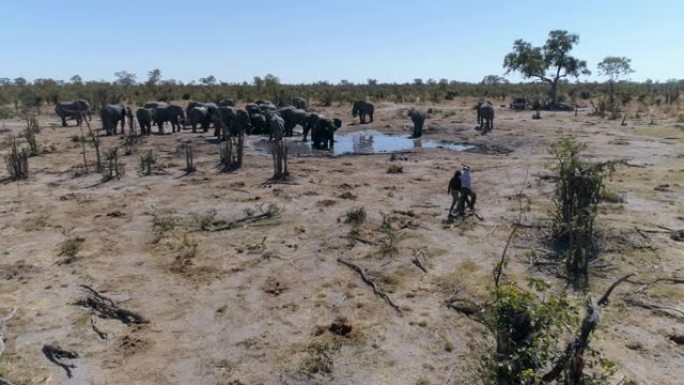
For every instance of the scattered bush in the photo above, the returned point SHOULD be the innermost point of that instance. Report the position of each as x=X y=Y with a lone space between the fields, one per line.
x=17 y=161
x=395 y=169
x=579 y=185
x=356 y=216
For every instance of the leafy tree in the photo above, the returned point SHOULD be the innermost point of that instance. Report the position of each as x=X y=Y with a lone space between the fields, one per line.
x=494 y=80
x=125 y=79
x=208 y=81
x=20 y=82
x=153 y=77
x=372 y=82
x=614 y=67
x=549 y=63
x=76 y=80
x=418 y=81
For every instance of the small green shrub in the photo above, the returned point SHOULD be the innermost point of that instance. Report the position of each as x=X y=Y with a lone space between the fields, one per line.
x=356 y=216
x=70 y=247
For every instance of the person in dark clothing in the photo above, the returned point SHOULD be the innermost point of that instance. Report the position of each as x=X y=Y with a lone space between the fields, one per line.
x=455 y=191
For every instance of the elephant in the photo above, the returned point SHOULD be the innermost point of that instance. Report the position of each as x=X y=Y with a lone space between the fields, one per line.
x=155 y=105
x=418 y=118
x=258 y=121
x=145 y=118
x=299 y=102
x=292 y=117
x=323 y=133
x=73 y=110
x=227 y=114
x=363 y=108
x=241 y=122
x=277 y=125
x=199 y=115
x=252 y=108
x=226 y=103
x=111 y=114
x=265 y=105
x=310 y=123
x=172 y=114
x=485 y=117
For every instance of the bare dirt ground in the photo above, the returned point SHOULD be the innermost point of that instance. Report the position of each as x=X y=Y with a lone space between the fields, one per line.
x=255 y=304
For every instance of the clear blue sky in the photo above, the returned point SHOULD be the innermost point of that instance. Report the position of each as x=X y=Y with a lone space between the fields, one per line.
x=307 y=40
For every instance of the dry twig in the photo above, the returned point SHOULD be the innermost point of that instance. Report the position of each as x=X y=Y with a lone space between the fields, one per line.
x=370 y=283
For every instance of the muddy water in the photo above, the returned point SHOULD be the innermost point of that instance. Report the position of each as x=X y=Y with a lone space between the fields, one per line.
x=363 y=142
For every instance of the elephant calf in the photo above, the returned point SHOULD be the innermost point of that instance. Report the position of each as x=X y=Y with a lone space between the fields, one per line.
x=418 y=117
x=299 y=103
x=323 y=133
x=145 y=118
x=363 y=109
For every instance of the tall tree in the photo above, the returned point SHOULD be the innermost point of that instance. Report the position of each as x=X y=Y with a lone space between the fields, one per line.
x=208 y=81
x=125 y=79
x=76 y=80
x=153 y=77
x=549 y=63
x=614 y=67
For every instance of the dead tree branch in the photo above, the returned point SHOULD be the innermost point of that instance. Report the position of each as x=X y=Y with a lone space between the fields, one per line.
x=107 y=308
x=418 y=256
x=103 y=336
x=55 y=353
x=572 y=360
x=370 y=282
x=272 y=211
x=637 y=302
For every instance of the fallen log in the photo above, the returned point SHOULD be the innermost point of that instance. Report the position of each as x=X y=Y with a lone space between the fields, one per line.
x=271 y=212
x=370 y=282
x=106 y=307
x=638 y=302
x=55 y=353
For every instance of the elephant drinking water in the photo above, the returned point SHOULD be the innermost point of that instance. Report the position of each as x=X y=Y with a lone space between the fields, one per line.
x=418 y=118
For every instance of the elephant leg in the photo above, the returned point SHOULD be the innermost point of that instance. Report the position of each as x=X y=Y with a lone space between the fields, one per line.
x=64 y=123
x=371 y=117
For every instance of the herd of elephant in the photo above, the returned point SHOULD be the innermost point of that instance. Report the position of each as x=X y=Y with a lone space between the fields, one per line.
x=257 y=118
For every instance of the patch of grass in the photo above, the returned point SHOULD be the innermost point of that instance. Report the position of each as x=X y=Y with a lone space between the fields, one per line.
x=319 y=357
x=203 y=222
x=161 y=225
x=356 y=216
x=388 y=248
x=611 y=196
x=69 y=248
x=395 y=169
